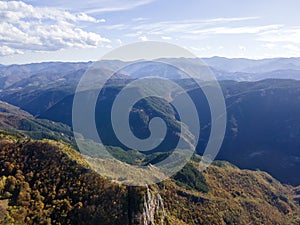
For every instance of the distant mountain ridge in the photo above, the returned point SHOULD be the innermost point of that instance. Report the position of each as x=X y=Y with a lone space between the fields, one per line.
x=253 y=65
x=223 y=68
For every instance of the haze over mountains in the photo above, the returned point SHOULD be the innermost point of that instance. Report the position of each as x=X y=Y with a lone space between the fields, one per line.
x=223 y=68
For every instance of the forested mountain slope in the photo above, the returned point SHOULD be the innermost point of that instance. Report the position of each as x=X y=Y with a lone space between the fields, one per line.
x=47 y=182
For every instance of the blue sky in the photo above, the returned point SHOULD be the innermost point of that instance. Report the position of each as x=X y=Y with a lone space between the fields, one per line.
x=65 y=30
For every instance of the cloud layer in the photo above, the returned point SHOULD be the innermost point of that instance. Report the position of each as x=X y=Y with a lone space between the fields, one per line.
x=24 y=27
x=92 y=6
x=33 y=26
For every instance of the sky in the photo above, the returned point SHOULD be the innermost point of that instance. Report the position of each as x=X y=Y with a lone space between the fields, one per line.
x=72 y=30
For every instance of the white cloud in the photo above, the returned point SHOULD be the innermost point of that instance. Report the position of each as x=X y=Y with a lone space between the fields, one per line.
x=116 y=5
x=242 y=48
x=236 y=30
x=199 y=49
x=279 y=49
x=25 y=27
x=143 y=38
x=177 y=25
x=166 y=38
x=231 y=19
x=139 y=19
x=120 y=42
x=4 y=50
x=97 y=6
x=16 y=10
x=270 y=46
x=282 y=34
x=192 y=29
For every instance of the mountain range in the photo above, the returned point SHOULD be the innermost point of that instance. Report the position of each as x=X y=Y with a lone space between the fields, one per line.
x=262 y=120
x=16 y=76
x=254 y=180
